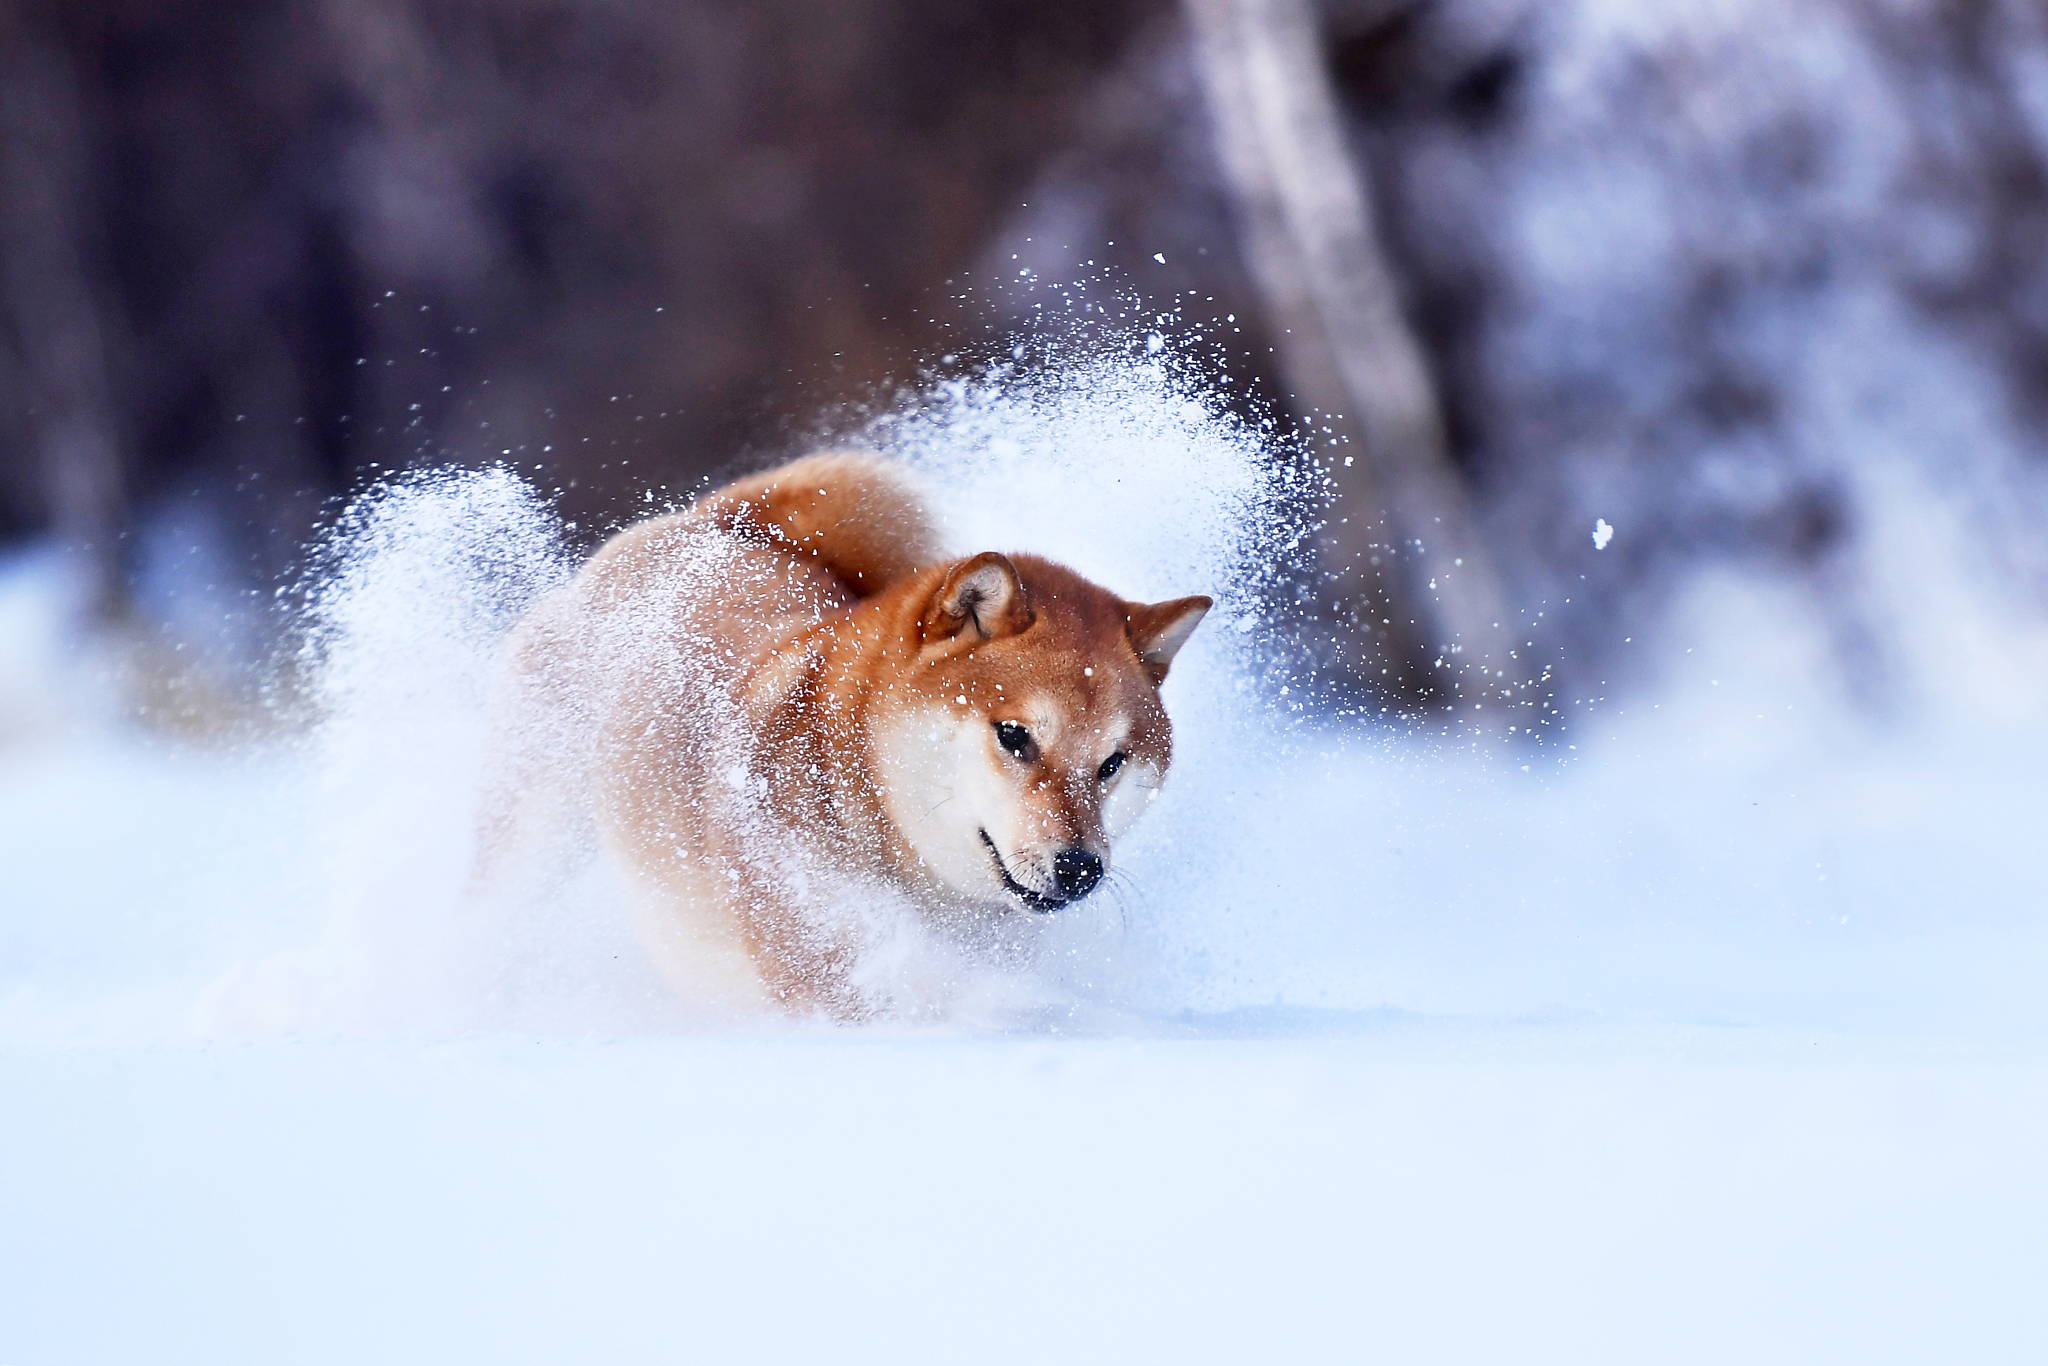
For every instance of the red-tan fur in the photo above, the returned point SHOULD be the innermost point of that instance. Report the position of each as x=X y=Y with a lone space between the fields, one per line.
x=840 y=642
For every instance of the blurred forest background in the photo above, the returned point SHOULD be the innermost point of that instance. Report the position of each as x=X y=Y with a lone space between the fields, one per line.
x=1704 y=270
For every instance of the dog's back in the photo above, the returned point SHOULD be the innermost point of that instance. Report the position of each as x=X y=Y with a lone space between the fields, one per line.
x=608 y=714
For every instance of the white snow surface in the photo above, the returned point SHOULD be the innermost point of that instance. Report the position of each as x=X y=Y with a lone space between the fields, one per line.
x=1707 y=1026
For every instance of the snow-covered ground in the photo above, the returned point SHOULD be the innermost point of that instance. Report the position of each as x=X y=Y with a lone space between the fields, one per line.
x=1708 y=1029
x=1367 y=1191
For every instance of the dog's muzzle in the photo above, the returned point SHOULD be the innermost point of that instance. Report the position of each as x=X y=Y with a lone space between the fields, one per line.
x=1074 y=874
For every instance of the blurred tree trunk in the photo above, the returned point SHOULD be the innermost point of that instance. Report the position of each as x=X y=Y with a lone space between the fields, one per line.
x=50 y=307
x=1419 y=580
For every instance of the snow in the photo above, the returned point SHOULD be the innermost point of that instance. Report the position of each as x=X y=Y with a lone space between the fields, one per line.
x=1373 y=1192
x=1704 y=1027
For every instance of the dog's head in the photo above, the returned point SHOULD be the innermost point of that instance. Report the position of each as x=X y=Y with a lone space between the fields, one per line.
x=1028 y=734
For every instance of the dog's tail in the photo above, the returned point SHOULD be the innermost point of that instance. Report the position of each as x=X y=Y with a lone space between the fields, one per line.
x=858 y=515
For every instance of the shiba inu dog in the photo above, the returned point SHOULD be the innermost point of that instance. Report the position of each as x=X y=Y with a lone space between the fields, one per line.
x=788 y=702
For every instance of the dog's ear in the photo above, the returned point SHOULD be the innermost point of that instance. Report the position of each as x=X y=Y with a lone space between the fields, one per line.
x=1158 y=630
x=982 y=598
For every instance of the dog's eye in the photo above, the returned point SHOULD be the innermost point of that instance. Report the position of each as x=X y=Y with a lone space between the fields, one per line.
x=1109 y=767
x=1015 y=739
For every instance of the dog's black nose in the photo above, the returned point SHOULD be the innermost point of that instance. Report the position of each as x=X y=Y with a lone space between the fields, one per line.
x=1075 y=872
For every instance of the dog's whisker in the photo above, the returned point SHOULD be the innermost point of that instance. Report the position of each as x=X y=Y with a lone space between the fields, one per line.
x=1130 y=897
x=1118 y=891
